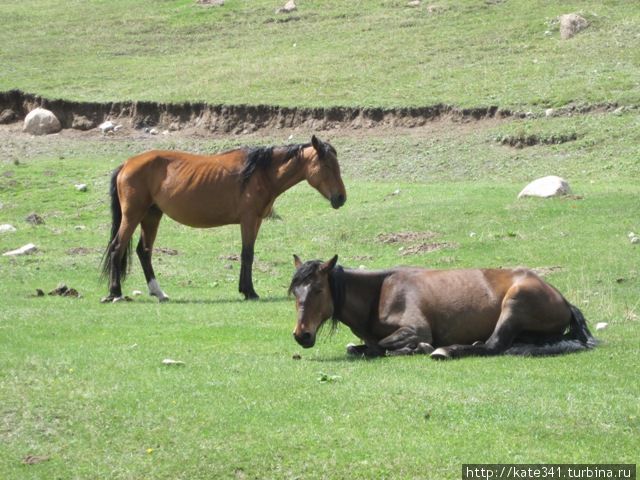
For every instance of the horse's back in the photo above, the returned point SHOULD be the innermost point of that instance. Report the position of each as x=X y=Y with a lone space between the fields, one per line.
x=196 y=190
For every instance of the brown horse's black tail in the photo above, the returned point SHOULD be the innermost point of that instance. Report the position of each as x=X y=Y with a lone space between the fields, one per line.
x=578 y=338
x=116 y=219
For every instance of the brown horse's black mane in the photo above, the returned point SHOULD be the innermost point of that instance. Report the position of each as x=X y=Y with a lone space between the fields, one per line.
x=336 y=285
x=261 y=157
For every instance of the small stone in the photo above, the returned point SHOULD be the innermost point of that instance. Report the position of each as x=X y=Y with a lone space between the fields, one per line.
x=571 y=24
x=27 y=249
x=34 y=219
x=81 y=187
x=7 y=116
x=601 y=325
x=107 y=126
x=136 y=293
x=6 y=228
x=288 y=7
x=414 y=3
x=169 y=361
x=80 y=122
x=549 y=112
x=154 y=131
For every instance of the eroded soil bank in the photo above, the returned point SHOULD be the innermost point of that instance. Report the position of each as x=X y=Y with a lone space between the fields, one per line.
x=204 y=117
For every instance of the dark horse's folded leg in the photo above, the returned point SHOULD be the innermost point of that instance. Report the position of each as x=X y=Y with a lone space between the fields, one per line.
x=364 y=351
x=499 y=341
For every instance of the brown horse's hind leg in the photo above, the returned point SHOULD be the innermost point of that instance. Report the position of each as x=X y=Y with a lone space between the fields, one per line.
x=249 y=229
x=149 y=230
x=117 y=250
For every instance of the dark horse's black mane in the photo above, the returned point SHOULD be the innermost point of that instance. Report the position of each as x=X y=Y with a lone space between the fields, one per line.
x=261 y=157
x=336 y=285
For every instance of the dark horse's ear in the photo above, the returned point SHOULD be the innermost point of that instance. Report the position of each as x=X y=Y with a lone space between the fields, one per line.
x=296 y=261
x=318 y=145
x=327 y=266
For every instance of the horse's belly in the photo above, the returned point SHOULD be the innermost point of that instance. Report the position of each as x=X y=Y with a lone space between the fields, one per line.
x=461 y=308
x=199 y=213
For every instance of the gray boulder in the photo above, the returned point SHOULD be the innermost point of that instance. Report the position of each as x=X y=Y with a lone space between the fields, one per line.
x=41 y=122
x=545 y=187
x=571 y=24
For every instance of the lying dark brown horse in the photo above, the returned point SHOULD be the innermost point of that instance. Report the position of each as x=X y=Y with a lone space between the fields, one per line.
x=447 y=313
x=238 y=186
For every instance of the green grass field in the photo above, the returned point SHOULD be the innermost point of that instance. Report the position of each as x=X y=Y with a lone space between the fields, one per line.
x=329 y=52
x=82 y=384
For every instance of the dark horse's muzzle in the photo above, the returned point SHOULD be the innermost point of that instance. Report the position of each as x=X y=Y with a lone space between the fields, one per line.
x=338 y=200
x=306 y=340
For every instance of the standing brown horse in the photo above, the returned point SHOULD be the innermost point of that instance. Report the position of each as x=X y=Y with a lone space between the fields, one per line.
x=447 y=313
x=238 y=186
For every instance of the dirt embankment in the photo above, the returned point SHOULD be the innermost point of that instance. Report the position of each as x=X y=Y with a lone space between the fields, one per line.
x=237 y=118
x=207 y=118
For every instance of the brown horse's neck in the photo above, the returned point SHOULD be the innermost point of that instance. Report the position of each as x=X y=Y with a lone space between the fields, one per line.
x=359 y=297
x=285 y=173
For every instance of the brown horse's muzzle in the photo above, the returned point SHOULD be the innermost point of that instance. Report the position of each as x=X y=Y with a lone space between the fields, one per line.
x=305 y=339
x=338 y=200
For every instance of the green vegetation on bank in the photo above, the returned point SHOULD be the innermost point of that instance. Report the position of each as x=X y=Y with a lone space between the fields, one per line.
x=328 y=52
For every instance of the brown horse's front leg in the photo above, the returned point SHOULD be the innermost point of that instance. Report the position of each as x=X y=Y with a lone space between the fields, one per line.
x=249 y=230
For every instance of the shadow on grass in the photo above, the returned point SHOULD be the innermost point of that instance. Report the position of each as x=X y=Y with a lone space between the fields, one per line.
x=222 y=301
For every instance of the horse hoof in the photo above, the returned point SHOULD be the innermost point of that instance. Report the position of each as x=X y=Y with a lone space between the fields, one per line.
x=356 y=350
x=251 y=296
x=118 y=299
x=424 y=348
x=440 y=354
x=163 y=299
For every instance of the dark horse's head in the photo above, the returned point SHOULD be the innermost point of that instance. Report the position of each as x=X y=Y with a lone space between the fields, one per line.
x=323 y=172
x=317 y=286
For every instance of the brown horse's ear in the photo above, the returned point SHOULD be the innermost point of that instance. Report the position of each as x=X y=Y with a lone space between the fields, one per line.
x=318 y=146
x=296 y=261
x=328 y=265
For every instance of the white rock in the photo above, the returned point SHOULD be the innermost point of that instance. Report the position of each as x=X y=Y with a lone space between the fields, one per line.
x=154 y=131
x=549 y=112
x=545 y=187
x=27 y=249
x=169 y=361
x=601 y=325
x=41 y=121
x=288 y=7
x=6 y=228
x=107 y=126
x=81 y=187
x=136 y=293
x=570 y=24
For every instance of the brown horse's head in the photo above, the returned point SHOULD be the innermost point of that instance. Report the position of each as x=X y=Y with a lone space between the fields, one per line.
x=323 y=172
x=314 y=299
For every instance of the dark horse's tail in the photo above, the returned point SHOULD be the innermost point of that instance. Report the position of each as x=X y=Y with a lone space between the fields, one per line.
x=116 y=219
x=578 y=338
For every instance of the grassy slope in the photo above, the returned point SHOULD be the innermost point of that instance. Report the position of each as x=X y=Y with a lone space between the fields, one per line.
x=467 y=53
x=82 y=382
